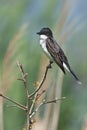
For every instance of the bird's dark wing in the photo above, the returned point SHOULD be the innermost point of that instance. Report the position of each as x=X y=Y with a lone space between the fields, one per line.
x=57 y=53
x=59 y=57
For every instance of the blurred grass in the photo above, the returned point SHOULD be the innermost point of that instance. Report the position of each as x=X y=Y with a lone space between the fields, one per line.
x=17 y=45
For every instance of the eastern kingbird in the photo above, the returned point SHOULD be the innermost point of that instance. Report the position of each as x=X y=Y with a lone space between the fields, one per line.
x=54 y=51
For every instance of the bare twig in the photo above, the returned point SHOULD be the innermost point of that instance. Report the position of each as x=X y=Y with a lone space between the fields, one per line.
x=42 y=81
x=40 y=94
x=38 y=88
x=33 y=103
x=36 y=97
x=45 y=102
x=55 y=100
x=16 y=103
x=24 y=75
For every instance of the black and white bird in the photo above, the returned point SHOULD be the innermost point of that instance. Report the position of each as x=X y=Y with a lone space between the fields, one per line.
x=54 y=51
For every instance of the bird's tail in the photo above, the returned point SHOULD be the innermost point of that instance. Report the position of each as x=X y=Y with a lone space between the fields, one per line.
x=74 y=75
x=67 y=67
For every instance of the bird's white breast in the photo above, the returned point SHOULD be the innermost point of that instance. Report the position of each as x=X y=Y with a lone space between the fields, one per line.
x=43 y=45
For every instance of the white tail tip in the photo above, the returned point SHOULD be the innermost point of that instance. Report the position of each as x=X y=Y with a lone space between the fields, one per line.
x=79 y=82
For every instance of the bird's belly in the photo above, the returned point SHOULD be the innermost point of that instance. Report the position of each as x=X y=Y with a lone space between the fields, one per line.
x=43 y=45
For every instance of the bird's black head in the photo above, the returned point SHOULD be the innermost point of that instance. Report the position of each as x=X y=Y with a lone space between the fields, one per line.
x=45 y=31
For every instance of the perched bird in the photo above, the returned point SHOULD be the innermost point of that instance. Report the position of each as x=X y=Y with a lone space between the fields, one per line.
x=54 y=51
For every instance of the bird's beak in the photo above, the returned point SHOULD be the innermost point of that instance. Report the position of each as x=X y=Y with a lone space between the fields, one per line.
x=38 y=33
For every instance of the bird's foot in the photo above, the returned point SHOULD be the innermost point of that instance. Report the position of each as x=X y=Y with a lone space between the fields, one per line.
x=50 y=65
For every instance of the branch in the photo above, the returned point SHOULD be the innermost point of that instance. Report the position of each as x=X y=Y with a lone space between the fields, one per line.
x=16 y=103
x=35 y=93
x=45 y=102
x=36 y=97
x=42 y=81
x=24 y=75
x=55 y=100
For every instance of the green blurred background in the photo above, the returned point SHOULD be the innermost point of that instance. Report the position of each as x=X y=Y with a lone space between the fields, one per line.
x=19 y=22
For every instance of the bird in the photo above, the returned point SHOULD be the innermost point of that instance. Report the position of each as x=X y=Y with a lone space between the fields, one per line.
x=54 y=52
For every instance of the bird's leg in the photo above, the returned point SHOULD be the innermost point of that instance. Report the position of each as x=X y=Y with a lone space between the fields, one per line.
x=50 y=63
